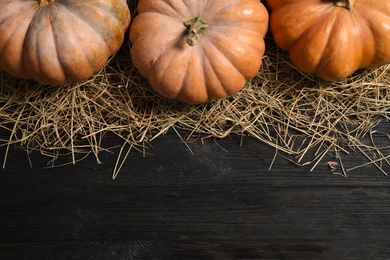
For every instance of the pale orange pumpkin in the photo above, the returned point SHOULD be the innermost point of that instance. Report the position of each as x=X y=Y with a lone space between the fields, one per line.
x=58 y=41
x=199 y=49
x=332 y=38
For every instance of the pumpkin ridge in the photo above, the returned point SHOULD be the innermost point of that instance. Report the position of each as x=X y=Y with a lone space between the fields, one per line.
x=329 y=51
x=7 y=45
x=40 y=68
x=238 y=28
x=203 y=8
x=191 y=12
x=184 y=85
x=58 y=56
x=99 y=31
x=83 y=23
x=27 y=7
x=80 y=15
x=75 y=13
x=242 y=43
x=372 y=29
x=105 y=11
x=186 y=72
x=164 y=53
x=363 y=50
x=154 y=15
x=280 y=4
x=176 y=13
x=9 y=20
x=227 y=58
x=167 y=69
x=216 y=76
x=228 y=61
x=280 y=14
x=9 y=14
x=165 y=15
x=215 y=12
x=213 y=67
x=169 y=42
x=367 y=6
x=328 y=14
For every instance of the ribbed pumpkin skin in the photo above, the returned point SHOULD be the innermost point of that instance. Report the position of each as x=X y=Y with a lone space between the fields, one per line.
x=228 y=52
x=62 y=41
x=332 y=41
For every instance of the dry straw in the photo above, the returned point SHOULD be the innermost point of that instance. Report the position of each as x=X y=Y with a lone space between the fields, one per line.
x=296 y=113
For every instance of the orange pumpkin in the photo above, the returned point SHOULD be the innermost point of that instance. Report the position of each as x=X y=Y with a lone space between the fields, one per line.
x=199 y=49
x=332 y=38
x=58 y=41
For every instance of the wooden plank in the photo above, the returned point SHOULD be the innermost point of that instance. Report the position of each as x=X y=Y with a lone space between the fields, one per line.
x=217 y=201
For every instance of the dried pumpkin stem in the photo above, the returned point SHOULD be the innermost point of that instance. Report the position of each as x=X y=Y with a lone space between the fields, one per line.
x=195 y=26
x=347 y=4
x=44 y=2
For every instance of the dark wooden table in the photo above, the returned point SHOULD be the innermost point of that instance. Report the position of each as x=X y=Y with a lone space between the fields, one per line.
x=218 y=200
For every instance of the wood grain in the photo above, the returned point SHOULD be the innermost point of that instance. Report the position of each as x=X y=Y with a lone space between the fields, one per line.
x=217 y=201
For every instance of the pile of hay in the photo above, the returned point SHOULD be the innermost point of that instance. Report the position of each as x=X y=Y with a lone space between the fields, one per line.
x=282 y=107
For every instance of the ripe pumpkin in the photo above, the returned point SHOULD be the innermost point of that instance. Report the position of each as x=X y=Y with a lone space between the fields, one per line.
x=58 y=41
x=332 y=38
x=199 y=49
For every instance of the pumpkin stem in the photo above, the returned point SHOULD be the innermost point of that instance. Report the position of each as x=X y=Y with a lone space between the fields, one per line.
x=347 y=4
x=195 y=26
x=44 y=2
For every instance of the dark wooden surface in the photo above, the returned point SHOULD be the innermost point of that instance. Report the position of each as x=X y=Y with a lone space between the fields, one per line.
x=219 y=201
